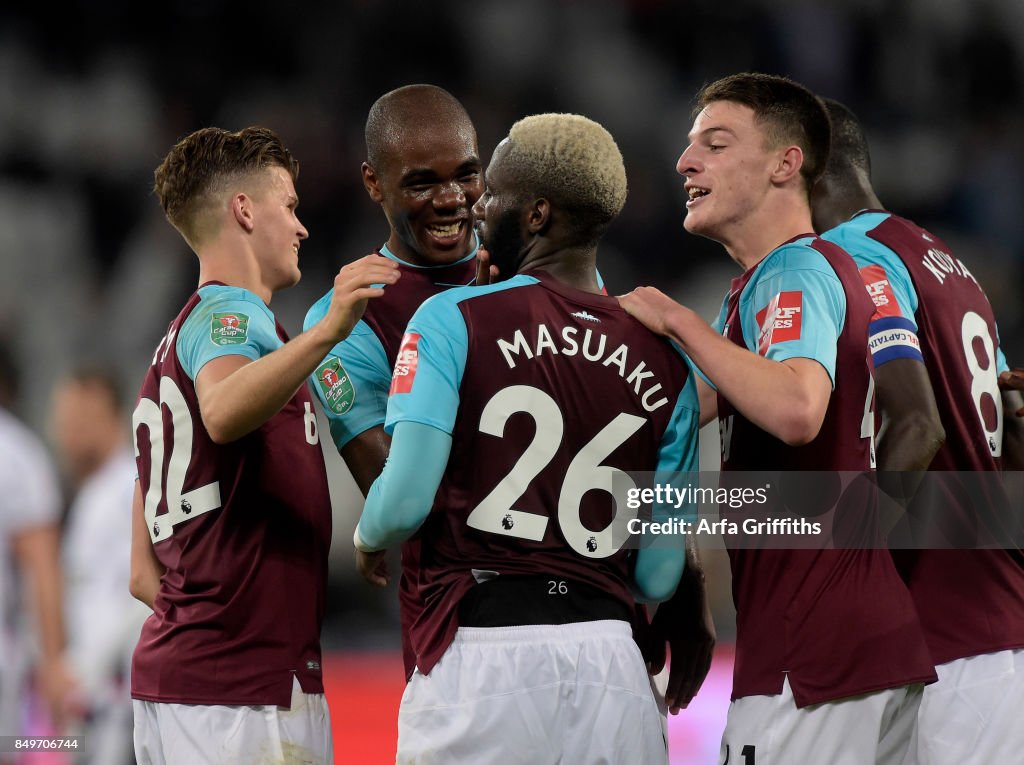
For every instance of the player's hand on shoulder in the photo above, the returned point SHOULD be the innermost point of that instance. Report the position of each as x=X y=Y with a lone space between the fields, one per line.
x=356 y=283
x=1013 y=380
x=651 y=307
x=374 y=567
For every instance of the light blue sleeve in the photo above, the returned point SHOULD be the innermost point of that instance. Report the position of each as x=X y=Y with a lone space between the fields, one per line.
x=352 y=381
x=401 y=497
x=719 y=326
x=795 y=307
x=228 y=321
x=867 y=253
x=659 y=566
x=430 y=365
x=892 y=333
x=1001 y=364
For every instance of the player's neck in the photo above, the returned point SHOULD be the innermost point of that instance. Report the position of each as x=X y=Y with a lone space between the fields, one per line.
x=749 y=240
x=234 y=266
x=575 y=267
x=840 y=208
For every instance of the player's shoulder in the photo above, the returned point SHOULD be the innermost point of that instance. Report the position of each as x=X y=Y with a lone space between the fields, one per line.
x=215 y=296
x=317 y=311
x=794 y=256
x=450 y=299
x=857 y=226
x=853 y=236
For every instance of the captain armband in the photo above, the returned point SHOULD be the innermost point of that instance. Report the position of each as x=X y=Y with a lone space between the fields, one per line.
x=893 y=337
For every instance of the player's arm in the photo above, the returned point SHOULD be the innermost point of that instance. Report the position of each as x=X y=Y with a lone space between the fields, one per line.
x=686 y=622
x=1011 y=382
x=365 y=455
x=400 y=499
x=787 y=399
x=909 y=436
x=659 y=566
x=684 y=619
x=1013 y=430
x=708 y=398
x=146 y=569
x=237 y=395
x=352 y=386
x=421 y=414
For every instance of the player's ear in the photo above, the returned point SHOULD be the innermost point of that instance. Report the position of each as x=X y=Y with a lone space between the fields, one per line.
x=371 y=182
x=538 y=215
x=788 y=164
x=242 y=209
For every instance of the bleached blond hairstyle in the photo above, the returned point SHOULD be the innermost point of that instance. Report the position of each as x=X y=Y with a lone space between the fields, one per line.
x=574 y=162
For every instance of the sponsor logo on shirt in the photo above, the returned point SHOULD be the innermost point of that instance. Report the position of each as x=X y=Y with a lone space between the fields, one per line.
x=336 y=385
x=585 y=316
x=780 y=320
x=880 y=290
x=405 y=364
x=229 y=328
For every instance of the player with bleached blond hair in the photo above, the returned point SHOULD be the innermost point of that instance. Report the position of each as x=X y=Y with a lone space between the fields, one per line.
x=512 y=406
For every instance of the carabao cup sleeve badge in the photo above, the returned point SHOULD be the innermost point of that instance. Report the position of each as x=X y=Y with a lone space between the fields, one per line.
x=229 y=328
x=336 y=385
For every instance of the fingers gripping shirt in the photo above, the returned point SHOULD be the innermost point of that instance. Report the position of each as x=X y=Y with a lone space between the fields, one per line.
x=229 y=321
x=794 y=307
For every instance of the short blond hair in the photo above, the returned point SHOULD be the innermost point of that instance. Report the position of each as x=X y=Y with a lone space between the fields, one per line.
x=573 y=161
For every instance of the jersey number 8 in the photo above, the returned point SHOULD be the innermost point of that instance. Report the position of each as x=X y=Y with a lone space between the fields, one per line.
x=984 y=380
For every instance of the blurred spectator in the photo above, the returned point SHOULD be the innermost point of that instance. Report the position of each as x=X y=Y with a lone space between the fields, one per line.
x=29 y=539
x=89 y=431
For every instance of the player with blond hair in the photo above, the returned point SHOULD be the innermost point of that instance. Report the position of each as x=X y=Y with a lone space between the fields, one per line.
x=524 y=651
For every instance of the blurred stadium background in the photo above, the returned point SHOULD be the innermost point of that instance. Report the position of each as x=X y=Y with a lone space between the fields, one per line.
x=92 y=94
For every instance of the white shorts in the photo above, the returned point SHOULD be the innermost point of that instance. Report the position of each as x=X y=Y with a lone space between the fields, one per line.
x=200 y=734
x=861 y=730
x=973 y=713
x=534 y=695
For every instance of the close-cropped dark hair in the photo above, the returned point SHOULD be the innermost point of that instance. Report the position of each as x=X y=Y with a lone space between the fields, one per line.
x=791 y=113
x=406 y=109
x=849 y=144
x=202 y=163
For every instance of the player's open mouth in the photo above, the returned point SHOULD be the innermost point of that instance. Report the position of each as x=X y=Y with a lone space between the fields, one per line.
x=695 y=193
x=446 y=233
